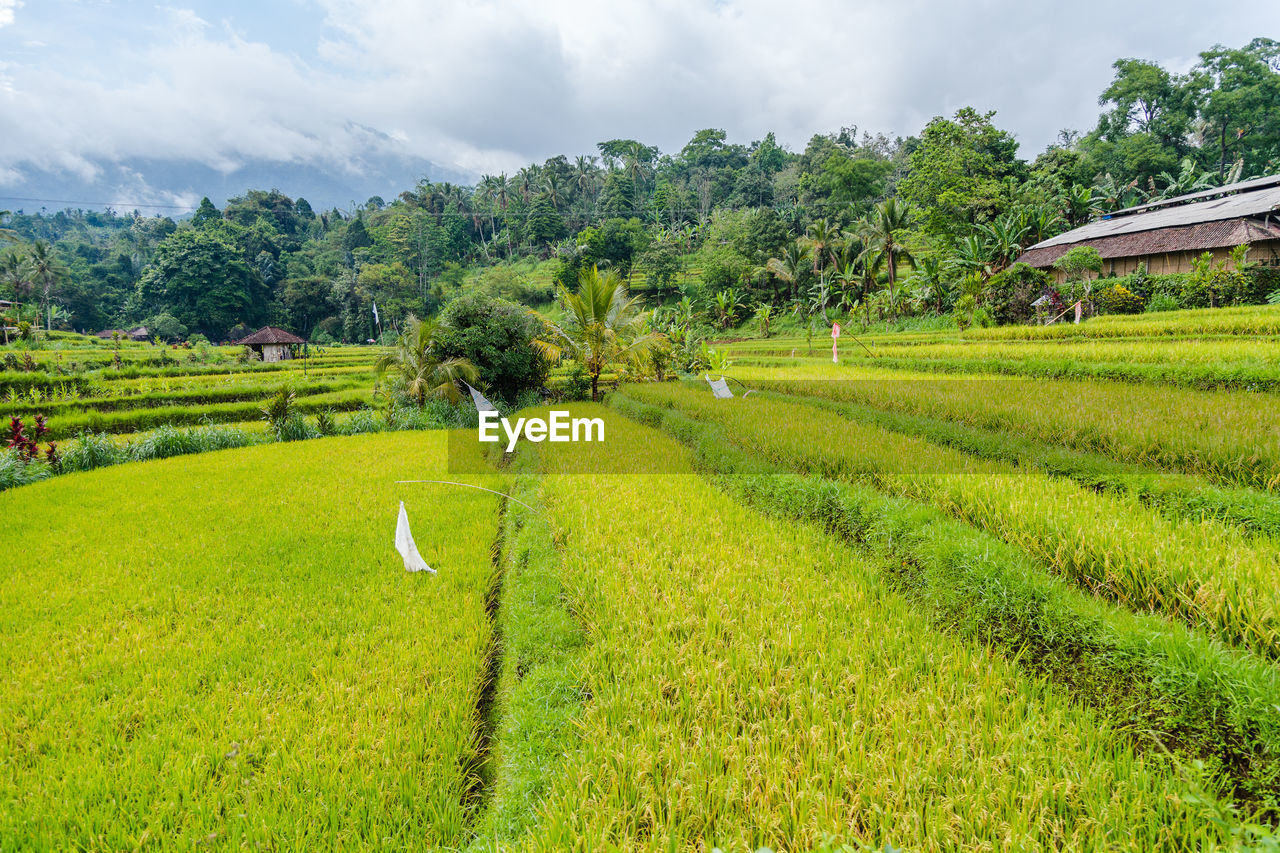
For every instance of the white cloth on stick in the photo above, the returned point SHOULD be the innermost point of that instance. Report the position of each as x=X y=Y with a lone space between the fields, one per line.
x=482 y=405
x=413 y=561
x=719 y=387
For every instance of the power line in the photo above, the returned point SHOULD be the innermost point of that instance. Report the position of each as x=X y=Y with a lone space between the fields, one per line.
x=115 y=204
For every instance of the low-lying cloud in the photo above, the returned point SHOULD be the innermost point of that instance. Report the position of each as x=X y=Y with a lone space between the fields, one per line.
x=490 y=85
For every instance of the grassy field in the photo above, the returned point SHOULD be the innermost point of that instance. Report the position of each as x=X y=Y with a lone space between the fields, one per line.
x=1028 y=604
x=224 y=649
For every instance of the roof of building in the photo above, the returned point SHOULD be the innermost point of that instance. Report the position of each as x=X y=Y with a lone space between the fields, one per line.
x=1206 y=235
x=270 y=335
x=1201 y=220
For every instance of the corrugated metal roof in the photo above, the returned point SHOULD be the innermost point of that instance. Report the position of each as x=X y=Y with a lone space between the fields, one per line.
x=1252 y=203
x=1184 y=238
x=1239 y=186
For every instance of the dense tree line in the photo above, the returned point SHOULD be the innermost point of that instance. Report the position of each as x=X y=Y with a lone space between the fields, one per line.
x=855 y=221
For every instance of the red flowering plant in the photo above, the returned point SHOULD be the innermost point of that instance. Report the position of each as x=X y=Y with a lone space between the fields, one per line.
x=28 y=445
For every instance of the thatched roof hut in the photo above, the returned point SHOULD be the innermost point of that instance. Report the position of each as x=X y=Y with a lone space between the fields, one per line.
x=271 y=343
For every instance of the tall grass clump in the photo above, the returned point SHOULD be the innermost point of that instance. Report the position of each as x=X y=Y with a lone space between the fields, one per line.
x=166 y=441
x=18 y=470
x=93 y=450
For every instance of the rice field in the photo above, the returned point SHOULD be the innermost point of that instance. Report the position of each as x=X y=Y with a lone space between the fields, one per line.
x=1033 y=603
x=83 y=389
x=250 y=667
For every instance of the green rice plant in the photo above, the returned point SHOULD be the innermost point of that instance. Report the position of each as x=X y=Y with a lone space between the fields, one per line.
x=1206 y=574
x=1147 y=675
x=747 y=682
x=225 y=651
x=1176 y=496
x=1237 y=320
x=1245 y=363
x=539 y=692
x=1228 y=437
x=137 y=420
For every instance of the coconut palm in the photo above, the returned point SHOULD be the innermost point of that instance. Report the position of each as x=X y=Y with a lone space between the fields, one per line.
x=604 y=326
x=888 y=220
x=16 y=272
x=416 y=360
x=551 y=186
x=824 y=238
x=46 y=272
x=791 y=266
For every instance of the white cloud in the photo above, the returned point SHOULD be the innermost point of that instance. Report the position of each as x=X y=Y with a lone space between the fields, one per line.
x=7 y=8
x=493 y=83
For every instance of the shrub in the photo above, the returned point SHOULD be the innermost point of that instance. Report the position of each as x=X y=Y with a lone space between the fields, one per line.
x=324 y=422
x=1118 y=299
x=578 y=386
x=1011 y=292
x=497 y=337
x=166 y=327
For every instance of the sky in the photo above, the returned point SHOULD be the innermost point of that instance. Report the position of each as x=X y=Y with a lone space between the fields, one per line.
x=489 y=85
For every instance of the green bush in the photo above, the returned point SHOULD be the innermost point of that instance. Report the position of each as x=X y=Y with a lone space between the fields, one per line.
x=1118 y=299
x=497 y=337
x=1010 y=293
x=1163 y=302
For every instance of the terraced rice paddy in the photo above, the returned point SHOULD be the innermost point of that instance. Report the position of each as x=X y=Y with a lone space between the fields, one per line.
x=160 y=385
x=867 y=606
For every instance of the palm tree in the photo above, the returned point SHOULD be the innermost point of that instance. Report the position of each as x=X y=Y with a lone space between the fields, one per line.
x=526 y=178
x=425 y=373
x=824 y=239
x=888 y=220
x=1005 y=237
x=551 y=186
x=791 y=266
x=604 y=326
x=973 y=256
x=16 y=272
x=46 y=272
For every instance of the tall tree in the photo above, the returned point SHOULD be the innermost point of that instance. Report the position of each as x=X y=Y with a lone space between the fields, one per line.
x=889 y=220
x=1239 y=93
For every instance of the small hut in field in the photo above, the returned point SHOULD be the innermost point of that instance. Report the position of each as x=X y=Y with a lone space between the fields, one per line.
x=271 y=343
